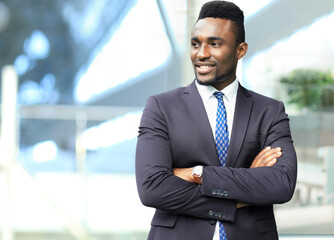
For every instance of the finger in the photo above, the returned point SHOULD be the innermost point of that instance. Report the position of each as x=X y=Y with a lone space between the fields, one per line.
x=240 y=205
x=271 y=162
x=262 y=159
x=263 y=152
x=274 y=152
x=271 y=156
x=257 y=159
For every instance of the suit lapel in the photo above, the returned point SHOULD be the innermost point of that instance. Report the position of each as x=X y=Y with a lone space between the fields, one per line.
x=198 y=114
x=243 y=108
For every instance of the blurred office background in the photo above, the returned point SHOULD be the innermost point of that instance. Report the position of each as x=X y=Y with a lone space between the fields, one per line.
x=75 y=76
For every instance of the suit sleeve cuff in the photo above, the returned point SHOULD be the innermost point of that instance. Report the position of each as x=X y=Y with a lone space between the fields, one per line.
x=225 y=209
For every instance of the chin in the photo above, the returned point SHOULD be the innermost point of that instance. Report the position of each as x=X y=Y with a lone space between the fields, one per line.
x=203 y=82
x=215 y=79
x=208 y=82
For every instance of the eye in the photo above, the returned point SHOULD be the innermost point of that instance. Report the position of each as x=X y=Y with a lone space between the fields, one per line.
x=215 y=44
x=194 y=44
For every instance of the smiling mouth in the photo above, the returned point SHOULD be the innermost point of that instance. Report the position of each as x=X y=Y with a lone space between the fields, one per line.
x=204 y=69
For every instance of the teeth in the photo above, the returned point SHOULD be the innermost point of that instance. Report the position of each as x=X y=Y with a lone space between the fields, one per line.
x=206 y=66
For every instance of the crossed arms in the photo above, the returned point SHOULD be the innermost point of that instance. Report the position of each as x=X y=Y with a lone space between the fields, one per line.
x=161 y=179
x=266 y=158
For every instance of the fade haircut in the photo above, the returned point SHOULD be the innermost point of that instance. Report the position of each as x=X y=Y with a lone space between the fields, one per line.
x=226 y=10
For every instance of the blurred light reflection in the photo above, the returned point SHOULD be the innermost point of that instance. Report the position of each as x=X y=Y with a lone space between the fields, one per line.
x=45 y=151
x=139 y=45
x=21 y=64
x=112 y=132
x=37 y=46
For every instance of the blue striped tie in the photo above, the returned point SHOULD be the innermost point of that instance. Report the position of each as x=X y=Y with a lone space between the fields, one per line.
x=221 y=135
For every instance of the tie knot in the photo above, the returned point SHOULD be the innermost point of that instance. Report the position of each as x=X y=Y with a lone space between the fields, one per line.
x=218 y=95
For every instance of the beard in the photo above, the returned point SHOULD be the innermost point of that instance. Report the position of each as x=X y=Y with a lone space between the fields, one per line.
x=217 y=79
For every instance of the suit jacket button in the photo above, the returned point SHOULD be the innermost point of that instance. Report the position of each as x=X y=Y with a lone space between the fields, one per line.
x=212 y=222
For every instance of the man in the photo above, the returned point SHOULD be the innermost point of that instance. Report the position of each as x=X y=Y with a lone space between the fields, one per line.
x=213 y=157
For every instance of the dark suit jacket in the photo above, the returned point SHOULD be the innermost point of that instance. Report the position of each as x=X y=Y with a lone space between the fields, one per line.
x=175 y=133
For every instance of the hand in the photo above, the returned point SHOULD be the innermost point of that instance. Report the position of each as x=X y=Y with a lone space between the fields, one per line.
x=184 y=173
x=241 y=205
x=267 y=157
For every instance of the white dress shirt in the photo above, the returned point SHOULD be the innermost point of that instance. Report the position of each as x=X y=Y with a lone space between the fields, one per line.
x=211 y=103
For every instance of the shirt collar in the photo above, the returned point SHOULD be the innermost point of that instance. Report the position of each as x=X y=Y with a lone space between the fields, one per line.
x=230 y=92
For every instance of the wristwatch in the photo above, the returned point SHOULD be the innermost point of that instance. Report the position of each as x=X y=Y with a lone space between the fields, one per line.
x=197 y=174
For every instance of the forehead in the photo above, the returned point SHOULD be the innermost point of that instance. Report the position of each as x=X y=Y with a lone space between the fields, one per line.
x=210 y=27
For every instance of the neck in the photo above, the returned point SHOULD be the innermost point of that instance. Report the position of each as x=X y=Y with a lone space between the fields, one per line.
x=221 y=85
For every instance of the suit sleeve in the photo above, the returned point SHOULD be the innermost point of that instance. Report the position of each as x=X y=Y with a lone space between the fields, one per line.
x=263 y=185
x=158 y=187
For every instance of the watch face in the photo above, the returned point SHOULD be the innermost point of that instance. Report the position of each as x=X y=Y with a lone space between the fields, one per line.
x=197 y=170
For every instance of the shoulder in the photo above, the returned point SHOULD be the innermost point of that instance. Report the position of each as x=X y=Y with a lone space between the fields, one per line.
x=173 y=101
x=171 y=94
x=174 y=95
x=166 y=99
x=261 y=104
x=259 y=99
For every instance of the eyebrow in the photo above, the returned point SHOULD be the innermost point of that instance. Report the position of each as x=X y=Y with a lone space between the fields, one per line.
x=195 y=39
x=209 y=38
x=215 y=38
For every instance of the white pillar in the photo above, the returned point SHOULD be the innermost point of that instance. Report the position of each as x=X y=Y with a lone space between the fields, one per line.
x=329 y=166
x=8 y=141
x=81 y=159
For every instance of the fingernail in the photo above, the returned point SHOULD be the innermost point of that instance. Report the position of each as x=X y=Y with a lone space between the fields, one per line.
x=278 y=148
x=268 y=148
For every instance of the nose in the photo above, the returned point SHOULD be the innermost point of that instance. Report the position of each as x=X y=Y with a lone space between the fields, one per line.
x=203 y=52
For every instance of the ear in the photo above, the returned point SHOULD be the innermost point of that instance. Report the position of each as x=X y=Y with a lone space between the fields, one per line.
x=242 y=49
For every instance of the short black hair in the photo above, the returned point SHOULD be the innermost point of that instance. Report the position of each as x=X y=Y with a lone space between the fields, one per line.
x=226 y=10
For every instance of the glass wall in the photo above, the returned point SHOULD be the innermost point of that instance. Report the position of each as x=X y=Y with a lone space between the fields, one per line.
x=84 y=70
x=298 y=69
